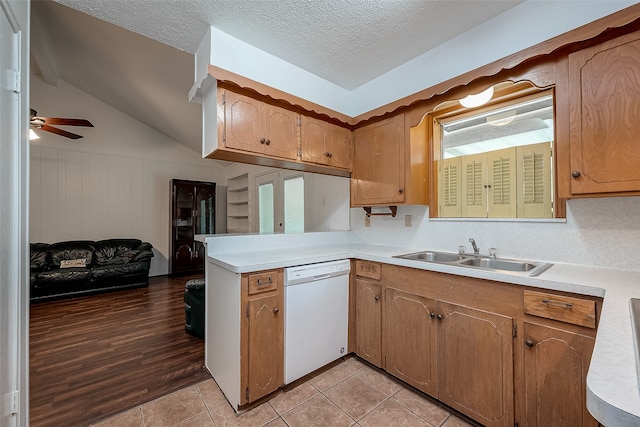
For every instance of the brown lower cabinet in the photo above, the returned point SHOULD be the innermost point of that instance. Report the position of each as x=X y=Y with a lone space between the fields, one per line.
x=368 y=321
x=474 y=345
x=262 y=334
x=556 y=364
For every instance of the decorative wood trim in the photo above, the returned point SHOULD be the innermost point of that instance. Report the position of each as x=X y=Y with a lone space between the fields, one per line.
x=468 y=82
x=474 y=78
x=311 y=108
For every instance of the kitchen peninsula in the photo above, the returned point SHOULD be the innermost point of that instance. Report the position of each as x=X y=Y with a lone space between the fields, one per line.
x=612 y=395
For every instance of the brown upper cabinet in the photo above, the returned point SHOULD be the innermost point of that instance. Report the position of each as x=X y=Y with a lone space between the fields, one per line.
x=251 y=125
x=325 y=143
x=389 y=168
x=252 y=130
x=604 y=91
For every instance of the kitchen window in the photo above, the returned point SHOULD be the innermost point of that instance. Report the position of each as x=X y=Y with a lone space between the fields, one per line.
x=496 y=161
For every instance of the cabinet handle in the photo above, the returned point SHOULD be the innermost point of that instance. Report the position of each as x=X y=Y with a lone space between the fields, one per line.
x=265 y=282
x=328 y=154
x=440 y=317
x=555 y=302
x=262 y=140
x=529 y=343
x=276 y=310
x=575 y=174
x=432 y=315
x=268 y=141
x=401 y=190
x=377 y=298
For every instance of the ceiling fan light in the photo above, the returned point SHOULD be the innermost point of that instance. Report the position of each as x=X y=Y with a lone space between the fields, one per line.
x=477 y=99
x=33 y=135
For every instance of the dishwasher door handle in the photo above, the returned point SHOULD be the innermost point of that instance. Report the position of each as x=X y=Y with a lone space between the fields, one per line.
x=321 y=277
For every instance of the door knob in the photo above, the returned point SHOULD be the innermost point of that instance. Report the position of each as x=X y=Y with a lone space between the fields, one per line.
x=262 y=140
x=529 y=343
x=575 y=174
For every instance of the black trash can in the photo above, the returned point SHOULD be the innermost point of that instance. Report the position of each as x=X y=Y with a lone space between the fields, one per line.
x=194 y=307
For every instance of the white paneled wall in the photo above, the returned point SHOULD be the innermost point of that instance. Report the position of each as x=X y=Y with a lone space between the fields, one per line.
x=77 y=195
x=113 y=183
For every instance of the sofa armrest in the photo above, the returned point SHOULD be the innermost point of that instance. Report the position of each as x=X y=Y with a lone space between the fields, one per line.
x=145 y=252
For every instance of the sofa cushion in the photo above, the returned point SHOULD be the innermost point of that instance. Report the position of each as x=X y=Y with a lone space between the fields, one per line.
x=116 y=251
x=39 y=256
x=101 y=272
x=65 y=275
x=73 y=250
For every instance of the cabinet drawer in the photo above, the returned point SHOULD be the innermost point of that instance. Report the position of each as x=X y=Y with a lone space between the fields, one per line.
x=372 y=270
x=263 y=282
x=566 y=309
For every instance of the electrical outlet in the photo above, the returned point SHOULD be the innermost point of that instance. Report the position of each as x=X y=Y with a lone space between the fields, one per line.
x=407 y=220
x=367 y=221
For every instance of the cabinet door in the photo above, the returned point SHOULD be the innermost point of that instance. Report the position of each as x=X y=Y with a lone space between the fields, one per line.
x=449 y=187
x=474 y=185
x=280 y=132
x=205 y=208
x=368 y=322
x=410 y=339
x=325 y=143
x=243 y=122
x=475 y=363
x=265 y=348
x=378 y=163
x=182 y=259
x=501 y=200
x=555 y=376
x=604 y=90
x=534 y=180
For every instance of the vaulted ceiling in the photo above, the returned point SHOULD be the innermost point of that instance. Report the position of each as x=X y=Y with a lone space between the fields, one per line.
x=137 y=56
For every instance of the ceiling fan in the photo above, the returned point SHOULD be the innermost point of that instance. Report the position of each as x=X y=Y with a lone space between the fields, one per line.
x=44 y=123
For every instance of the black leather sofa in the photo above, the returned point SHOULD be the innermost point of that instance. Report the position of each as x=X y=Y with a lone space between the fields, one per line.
x=81 y=267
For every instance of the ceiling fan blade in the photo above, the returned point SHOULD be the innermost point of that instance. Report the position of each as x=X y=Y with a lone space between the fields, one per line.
x=66 y=122
x=60 y=132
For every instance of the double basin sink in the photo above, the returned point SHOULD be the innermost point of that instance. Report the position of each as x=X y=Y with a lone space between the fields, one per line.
x=502 y=265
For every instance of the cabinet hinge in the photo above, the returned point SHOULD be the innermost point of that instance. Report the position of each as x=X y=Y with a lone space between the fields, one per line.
x=246 y=311
x=224 y=98
x=12 y=403
x=299 y=152
x=13 y=81
x=515 y=331
x=224 y=136
x=299 y=121
x=246 y=394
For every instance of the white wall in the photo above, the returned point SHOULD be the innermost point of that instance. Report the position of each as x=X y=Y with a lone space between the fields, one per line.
x=602 y=232
x=114 y=182
x=326 y=198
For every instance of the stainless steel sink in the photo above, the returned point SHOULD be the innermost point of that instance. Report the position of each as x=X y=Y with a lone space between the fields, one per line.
x=479 y=262
x=498 y=264
x=429 y=256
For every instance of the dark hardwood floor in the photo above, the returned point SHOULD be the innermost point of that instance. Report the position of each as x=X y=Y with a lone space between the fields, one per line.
x=95 y=356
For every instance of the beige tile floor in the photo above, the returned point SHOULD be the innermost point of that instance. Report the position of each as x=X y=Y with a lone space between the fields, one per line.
x=349 y=394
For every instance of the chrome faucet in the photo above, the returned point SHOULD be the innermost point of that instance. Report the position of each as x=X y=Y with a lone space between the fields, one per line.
x=476 y=251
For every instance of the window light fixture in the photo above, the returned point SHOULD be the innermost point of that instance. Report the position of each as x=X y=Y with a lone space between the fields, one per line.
x=33 y=135
x=477 y=99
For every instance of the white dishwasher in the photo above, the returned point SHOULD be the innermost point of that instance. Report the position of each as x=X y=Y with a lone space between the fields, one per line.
x=316 y=319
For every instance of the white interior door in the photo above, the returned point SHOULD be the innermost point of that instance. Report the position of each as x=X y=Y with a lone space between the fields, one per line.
x=13 y=211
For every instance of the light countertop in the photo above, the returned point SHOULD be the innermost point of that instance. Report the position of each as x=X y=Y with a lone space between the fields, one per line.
x=613 y=395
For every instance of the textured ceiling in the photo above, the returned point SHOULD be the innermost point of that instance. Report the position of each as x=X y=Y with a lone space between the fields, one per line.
x=137 y=55
x=345 y=42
